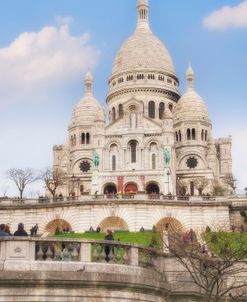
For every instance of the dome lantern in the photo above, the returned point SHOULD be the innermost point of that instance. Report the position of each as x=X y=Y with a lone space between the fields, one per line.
x=88 y=83
x=190 y=78
x=142 y=14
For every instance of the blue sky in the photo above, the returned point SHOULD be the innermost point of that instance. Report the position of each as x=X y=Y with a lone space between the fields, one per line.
x=47 y=46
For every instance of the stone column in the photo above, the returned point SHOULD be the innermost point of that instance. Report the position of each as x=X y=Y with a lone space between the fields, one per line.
x=85 y=252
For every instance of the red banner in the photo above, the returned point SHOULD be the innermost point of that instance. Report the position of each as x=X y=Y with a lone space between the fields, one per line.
x=143 y=181
x=120 y=184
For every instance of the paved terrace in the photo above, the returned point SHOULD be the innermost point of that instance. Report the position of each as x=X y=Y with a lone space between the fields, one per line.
x=123 y=198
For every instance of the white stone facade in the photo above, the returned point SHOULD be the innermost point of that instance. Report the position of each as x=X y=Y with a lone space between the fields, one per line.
x=147 y=117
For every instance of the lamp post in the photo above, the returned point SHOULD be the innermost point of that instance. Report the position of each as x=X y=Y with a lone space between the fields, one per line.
x=168 y=180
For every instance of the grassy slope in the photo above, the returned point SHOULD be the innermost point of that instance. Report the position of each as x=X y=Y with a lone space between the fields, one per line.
x=222 y=243
x=140 y=238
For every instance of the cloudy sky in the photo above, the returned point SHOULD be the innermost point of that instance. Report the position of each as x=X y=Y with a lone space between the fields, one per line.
x=47 y=46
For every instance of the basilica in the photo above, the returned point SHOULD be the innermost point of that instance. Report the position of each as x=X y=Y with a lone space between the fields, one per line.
x=157 y=140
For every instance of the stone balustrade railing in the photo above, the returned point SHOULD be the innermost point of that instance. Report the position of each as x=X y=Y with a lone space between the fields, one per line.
x=110 y=197
x=43 y=250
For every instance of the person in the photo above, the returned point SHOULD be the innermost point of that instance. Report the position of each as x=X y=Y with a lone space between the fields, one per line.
x=109 y=236
x=7 y=229
x=20 y=231
x=2 y=230
x=142 y=229
x=34 y=229
x=98 y=229
x=203 y=249
x=241 y=229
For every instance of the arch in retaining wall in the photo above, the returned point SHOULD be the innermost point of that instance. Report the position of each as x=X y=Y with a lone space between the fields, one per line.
x=169 y=223
x=113 y=223
x=57 y=224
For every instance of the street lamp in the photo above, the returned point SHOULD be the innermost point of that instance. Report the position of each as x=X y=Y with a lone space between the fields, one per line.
x=168 y=178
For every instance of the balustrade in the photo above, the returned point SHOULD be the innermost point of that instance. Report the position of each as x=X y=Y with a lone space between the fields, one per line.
x=64 y=250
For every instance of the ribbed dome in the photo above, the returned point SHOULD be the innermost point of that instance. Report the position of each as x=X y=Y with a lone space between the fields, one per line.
x=143 y=50
x=190 y=106
x=88 y=110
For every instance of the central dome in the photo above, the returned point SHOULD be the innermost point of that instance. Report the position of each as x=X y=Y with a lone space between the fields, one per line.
x=143 y=50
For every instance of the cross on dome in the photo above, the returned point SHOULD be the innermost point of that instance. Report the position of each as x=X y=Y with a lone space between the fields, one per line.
x=88 y=83
x=142 y=14
x=190 y=78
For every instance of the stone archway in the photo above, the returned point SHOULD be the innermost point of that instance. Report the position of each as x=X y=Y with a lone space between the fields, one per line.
x=59 y=224
x=152 y=188
x=113 y=223
x=110 y=188
x=131 y=188
x=169 y=224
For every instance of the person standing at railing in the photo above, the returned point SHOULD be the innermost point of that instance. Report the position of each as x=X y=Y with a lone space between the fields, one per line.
x=20 y=231
x=109 y=236
x=2 y=230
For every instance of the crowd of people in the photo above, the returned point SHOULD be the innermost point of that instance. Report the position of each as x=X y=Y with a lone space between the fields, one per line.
x=5 y=230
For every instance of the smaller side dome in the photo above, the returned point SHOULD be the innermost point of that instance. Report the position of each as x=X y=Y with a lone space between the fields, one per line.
x=88 y=110
x=191 y=106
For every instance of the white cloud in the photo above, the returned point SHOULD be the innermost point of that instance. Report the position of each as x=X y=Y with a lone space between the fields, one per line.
x=42 y=61
x=228 y=17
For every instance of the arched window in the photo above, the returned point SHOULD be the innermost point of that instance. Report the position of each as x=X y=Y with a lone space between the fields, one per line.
x=206 y=135
x=176 y=136
x=170 y=107
x=71 y=140
x=120 y=110
x=151 y=109
x=113 y=114
x=202 y=135
x=87 y=138
x=74 y=140
x=153 y=161
x=133 y=146
x=193 y=134
x=83 y=138
x=188 y=135
x=180 y=135
x=161 y=110
x=114 y=163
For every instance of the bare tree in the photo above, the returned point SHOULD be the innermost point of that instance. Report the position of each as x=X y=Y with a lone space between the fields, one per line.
x=21 y=178
x=4 y=190
x=218 y=189
x=230 y=180
x=182 y=186
x=201 y=183
x=53 y=178
x=218 y=274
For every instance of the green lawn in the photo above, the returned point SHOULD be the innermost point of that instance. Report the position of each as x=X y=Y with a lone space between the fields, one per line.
x=140 y=238
x=224 y=244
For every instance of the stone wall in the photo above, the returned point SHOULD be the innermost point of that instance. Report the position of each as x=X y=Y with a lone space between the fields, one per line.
x=136 y=213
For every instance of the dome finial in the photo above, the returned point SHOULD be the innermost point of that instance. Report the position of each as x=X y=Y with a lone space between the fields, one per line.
x=190 y=77
x=88 y=83
x=142 y=14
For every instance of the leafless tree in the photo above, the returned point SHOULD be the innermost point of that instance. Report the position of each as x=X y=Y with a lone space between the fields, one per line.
x=230 y=180
x=182 y=186
x=201 y=183
x=218 y=275
x=4 y=190
x=218 y=189
x=53 y=178
x=21 y=178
